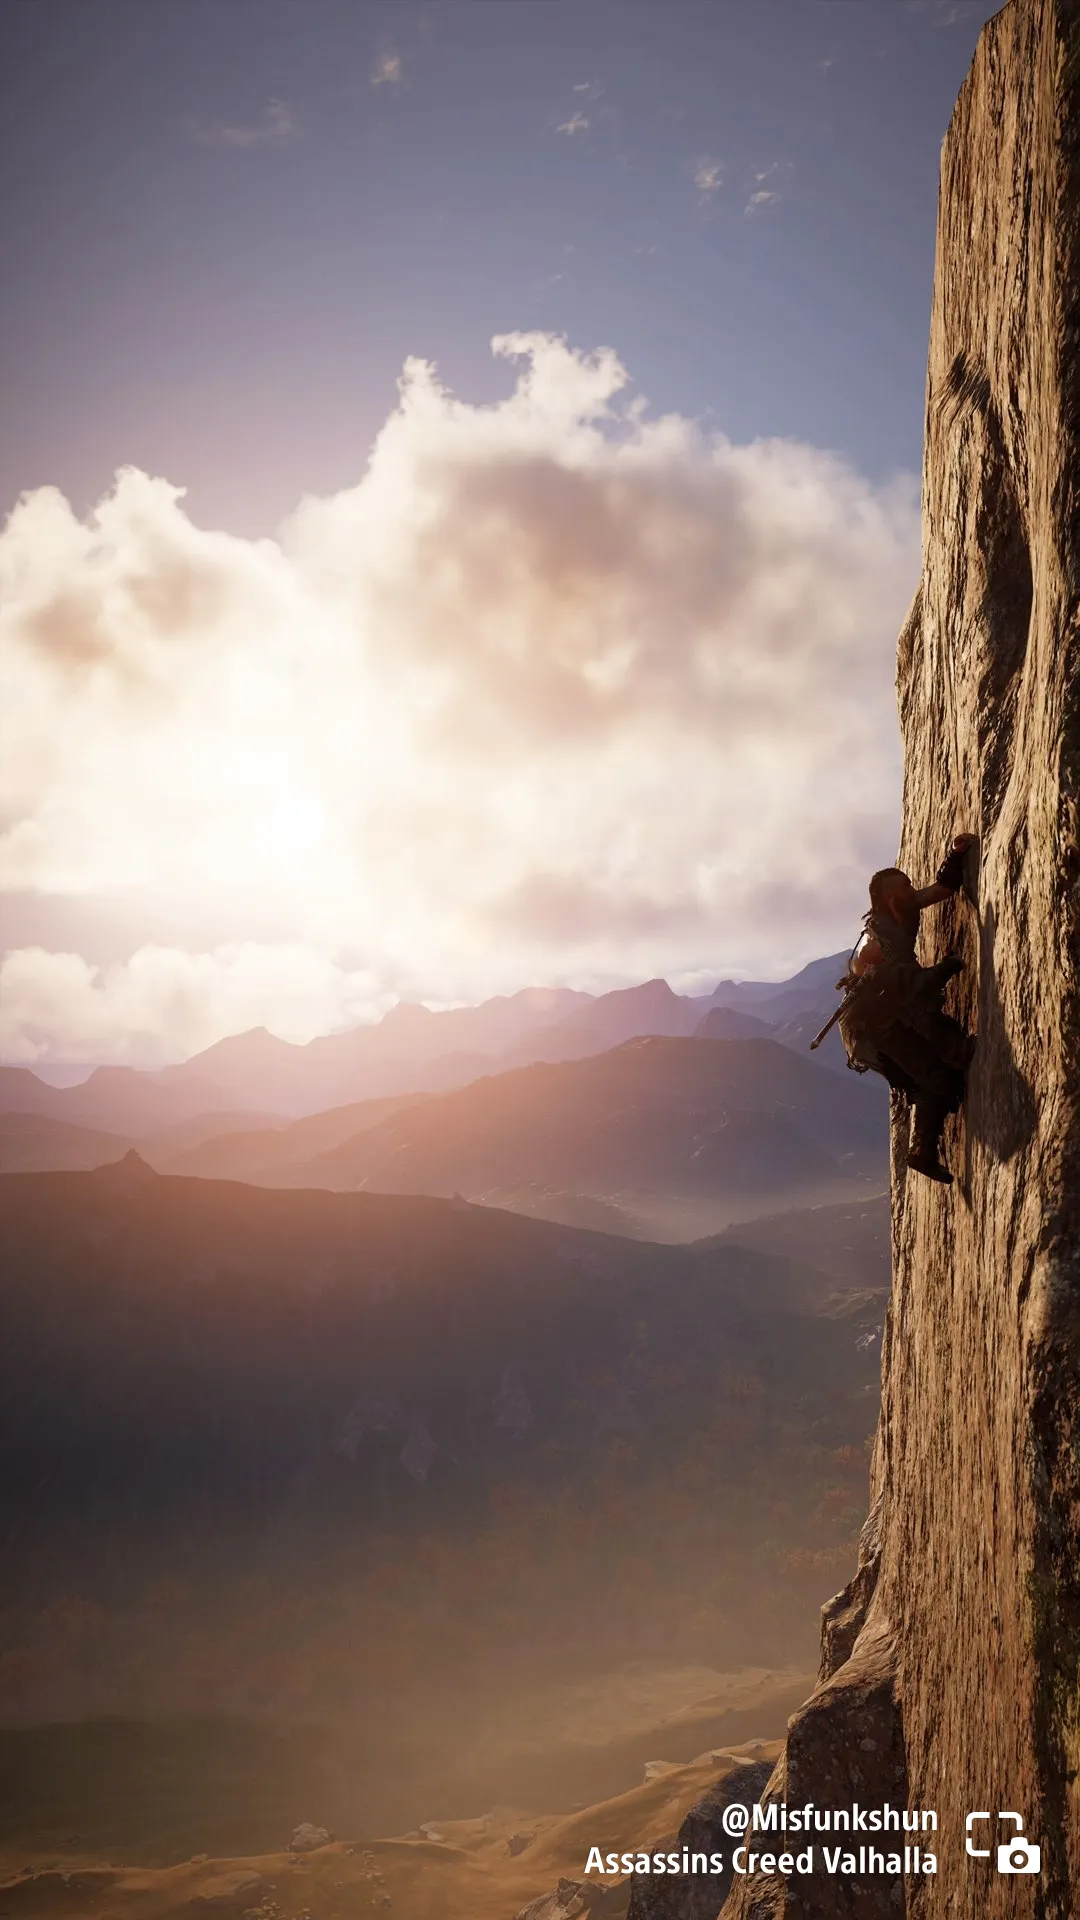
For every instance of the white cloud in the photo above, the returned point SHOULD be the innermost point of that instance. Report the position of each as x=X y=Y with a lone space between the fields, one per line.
x=763 y=194
x=577 y=123
x=708 y=177
x=387 y=71
x=558 y=691
x=164 y=1002
x=277 y=122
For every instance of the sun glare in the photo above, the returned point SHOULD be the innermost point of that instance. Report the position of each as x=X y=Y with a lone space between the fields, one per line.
x=297 y=822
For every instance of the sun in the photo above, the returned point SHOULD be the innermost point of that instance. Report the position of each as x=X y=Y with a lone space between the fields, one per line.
x=297 y=822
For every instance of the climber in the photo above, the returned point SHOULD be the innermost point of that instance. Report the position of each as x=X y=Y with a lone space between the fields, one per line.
x=892 y=1021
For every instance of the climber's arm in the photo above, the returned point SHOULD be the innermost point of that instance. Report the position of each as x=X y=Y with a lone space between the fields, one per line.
x=950 y=874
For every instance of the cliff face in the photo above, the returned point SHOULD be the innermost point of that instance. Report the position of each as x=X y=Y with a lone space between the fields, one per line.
x=950 y=1666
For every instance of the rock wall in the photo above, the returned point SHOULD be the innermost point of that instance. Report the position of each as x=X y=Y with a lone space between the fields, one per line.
x=950 y=1665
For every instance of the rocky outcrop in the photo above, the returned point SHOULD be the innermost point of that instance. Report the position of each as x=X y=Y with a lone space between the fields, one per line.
x=951 y=1662
x=577 y=1900
x=696 y=1896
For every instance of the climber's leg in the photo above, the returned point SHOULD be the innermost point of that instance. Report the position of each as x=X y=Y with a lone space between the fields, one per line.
x=924 y=1154
x=937 y=977
x=938 y=1091
x=952 y=1044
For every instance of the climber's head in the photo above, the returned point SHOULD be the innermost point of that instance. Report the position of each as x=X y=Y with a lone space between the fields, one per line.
x=891 y=891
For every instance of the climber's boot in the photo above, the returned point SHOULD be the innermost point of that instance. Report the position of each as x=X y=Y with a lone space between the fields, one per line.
x=930 y=1165
x=925 y=1154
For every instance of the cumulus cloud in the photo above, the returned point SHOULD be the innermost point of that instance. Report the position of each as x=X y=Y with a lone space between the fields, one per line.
x=559 y=691
x=166 y=1003
x=577 y=123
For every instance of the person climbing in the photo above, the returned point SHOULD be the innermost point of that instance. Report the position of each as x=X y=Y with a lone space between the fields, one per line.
x=892 y=1021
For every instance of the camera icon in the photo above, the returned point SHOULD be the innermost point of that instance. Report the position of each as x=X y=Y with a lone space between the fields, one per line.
x=1018 y=1855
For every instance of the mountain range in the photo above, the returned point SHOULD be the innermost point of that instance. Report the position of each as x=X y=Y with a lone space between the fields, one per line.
x=411 y=1049
x=667 y=1138
x=530 y=1102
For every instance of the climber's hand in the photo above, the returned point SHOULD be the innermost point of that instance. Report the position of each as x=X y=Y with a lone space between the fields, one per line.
x=950 y=875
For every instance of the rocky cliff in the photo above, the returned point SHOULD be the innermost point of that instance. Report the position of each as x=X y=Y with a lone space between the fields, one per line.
x=950 y=1665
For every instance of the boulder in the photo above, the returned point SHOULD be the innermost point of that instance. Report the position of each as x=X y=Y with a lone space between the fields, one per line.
x=306 y=1838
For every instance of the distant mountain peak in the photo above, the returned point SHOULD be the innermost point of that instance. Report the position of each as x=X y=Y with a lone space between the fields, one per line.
x=254 y=1040
x=407 y=1013
x=128 y=1175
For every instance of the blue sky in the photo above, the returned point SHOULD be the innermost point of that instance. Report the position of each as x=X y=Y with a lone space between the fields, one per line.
x=517 y=406
x=223 y=289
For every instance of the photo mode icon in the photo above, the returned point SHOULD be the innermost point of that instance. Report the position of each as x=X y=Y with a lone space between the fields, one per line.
x=1017 y=1855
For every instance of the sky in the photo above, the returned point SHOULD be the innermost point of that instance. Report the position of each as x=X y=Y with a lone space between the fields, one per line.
x=460 y=477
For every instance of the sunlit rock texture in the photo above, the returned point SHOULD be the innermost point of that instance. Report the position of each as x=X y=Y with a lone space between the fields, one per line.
x=950 y=1666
